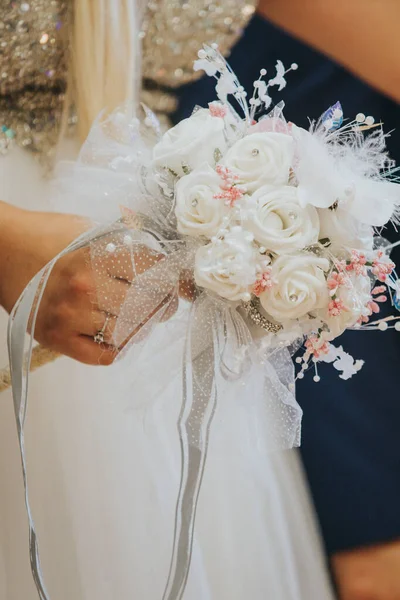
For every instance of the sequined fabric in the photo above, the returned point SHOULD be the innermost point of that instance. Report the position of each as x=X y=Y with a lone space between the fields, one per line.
x=33 y=44
x=173 y=32
x=33 y=59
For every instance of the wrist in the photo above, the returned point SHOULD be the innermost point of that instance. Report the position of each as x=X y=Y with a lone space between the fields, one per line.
x=16 y=256
x=28 y=240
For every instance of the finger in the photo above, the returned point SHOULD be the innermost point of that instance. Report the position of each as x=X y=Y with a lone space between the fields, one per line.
x=80 y=348
x=117 y=259
x=87 y=351
x=84 y=349
x=112 y=295
x=82 y=303
x=124 y=331
x=102 y=323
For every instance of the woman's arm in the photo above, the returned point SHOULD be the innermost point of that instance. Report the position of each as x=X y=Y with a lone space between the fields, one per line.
x=68 y=318
x=362 y=35
x=72 y=311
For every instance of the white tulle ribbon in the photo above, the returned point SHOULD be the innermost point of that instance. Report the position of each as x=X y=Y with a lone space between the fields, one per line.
x=223 y=353
x=219 y=350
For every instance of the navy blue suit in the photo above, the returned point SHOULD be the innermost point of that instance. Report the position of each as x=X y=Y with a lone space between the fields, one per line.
x=351 y=430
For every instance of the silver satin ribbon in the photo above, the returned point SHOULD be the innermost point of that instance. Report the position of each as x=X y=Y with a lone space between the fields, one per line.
x=20 y=353
x=217 y=335
x=198 y=408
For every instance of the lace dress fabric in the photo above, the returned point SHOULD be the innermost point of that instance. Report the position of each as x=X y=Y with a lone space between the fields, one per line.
x=33 y=59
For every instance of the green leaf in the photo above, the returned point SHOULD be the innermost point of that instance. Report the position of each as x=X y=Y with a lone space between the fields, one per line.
x=186 y=169
x=172 y=172
x=217 y=155
x=325 y=242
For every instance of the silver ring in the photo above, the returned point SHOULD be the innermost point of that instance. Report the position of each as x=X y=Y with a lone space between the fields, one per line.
x=99 y=337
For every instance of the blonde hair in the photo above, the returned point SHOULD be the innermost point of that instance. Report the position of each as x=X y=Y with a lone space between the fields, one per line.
x=105 y=56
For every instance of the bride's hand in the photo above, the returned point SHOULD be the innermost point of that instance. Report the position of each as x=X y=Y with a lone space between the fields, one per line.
x=69 y=315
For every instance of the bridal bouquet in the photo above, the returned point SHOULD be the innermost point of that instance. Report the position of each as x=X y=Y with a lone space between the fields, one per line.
x=282 y=219
x=270 y=235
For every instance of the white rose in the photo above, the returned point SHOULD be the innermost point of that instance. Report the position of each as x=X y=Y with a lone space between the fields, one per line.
x=299 y=286
x=355 y=297
x=192 y=142
x=227 y=267
x=261 y=158
x=278 y=221
x=343 y=230
x=197 y=210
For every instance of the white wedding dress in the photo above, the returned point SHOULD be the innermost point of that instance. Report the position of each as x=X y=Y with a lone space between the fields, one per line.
x=104 y=468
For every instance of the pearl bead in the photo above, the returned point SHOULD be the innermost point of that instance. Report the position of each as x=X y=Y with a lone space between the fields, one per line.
x=316 y=378
x=255 y=152
x=360 y=118
x=111 y=248
x=292 y=215
x=383 y=326
x=263 y=72
x=246 y=296
x=397 y=326
x=294 y=66
x=194 y=202
x=293 y=297
x=262 y=250
x=369 y=120
x=300 y=375
x=202 y=54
